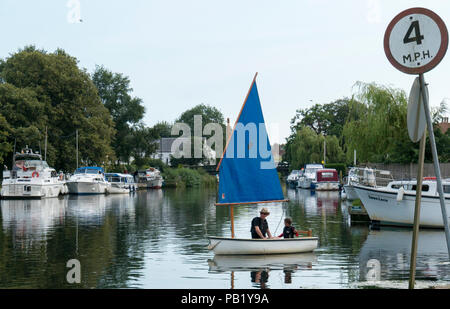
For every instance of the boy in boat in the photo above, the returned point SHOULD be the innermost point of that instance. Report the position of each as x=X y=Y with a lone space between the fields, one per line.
x=260 y=227
x=289 y=231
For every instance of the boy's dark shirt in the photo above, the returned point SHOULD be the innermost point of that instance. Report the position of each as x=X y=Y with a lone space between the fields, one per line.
x=288 y=232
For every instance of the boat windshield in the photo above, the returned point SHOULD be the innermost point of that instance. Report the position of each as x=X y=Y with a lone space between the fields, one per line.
x=88 y=171
x=114 y=179
x=33 y=164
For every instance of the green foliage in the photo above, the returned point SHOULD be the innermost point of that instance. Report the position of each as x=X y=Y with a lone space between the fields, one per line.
x=305 y=146
x=132 y=138
x=340 y=167
x=209 y=115
x=5 y=147
x=39 y=90
x=380 y=134
x=163 y=129
x=328 y=119
x=186 y=177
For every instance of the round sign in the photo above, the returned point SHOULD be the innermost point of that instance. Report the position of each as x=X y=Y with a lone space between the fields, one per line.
x=416 y=120
x=416 y=40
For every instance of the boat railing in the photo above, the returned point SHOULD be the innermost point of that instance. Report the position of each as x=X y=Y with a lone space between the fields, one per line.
x=369 y=177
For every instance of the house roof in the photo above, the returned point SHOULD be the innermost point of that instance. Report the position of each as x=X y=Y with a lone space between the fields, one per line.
x=165 y=144
x=444 y=126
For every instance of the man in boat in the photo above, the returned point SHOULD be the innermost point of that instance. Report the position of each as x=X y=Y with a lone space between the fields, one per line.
x=260 y=227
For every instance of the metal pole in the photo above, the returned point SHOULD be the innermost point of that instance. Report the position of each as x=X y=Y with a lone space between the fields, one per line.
x=436 y=162
x=412 y=271
x=45 y=147
x=77 y=146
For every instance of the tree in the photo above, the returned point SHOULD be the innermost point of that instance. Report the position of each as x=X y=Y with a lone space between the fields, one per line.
x=5 y=146
x=209 y=115
x=379 y=134
x=39 y=90
x=328 y=119
x=305 y=146
x=163 y=129
x=126 y=111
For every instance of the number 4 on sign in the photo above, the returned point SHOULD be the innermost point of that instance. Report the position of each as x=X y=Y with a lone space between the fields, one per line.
x=418 y=37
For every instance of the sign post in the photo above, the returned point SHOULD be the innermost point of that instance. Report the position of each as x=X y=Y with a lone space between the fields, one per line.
x=415 y=42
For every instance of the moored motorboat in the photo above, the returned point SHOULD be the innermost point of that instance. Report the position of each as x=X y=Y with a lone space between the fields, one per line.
x=31 y=177
x=88 y=180
x=150 y=178
x=293 y=177
x=120 y=183
x=327 y=180
x=394 y=204
x=309 y=178
x=365 y=176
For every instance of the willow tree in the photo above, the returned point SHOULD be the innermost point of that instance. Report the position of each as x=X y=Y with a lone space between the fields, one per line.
x=379 y=134
x=306 y=146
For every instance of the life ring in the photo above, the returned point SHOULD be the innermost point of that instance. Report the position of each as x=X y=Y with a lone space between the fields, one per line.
x=35 y=174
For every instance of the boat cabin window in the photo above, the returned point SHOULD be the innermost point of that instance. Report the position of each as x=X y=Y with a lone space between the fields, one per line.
x=425 y=188
x=327 y=175
x=88 y=171
x=114 y=179
x=446 y=188
x=35 y=163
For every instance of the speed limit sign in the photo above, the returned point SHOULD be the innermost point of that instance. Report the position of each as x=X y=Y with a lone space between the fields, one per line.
x=416 y=40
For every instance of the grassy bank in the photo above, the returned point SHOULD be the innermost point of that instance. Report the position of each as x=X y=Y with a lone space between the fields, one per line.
x=187 y=177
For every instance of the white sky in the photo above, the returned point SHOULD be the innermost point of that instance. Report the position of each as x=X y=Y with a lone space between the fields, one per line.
x=178 y=54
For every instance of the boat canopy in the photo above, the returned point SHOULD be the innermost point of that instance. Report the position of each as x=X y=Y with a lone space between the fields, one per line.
x=327 y=175
x=118 y=177
x=247 y=171
x=89 y=170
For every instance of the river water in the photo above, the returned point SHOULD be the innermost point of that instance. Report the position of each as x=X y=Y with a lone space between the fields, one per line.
x=158 y=240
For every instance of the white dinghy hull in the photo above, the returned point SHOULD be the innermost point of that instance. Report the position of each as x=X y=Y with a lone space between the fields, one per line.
x=238 y=246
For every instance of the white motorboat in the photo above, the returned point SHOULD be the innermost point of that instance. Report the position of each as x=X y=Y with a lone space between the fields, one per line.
x=88 y=180
x=292 y=179
x=150 y=178
x=120 y=183
x=240 y=246
x=395 y=203
x=365 y=176
x=309 y=178
x=31 y=177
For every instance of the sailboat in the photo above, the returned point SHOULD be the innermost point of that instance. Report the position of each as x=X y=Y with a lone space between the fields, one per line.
x=247 y=176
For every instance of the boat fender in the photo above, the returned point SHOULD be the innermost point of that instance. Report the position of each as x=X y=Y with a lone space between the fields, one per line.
x=400 y=193
x=35 y=174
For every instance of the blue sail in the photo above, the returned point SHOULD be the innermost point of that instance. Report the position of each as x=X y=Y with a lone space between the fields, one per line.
x=247 y=172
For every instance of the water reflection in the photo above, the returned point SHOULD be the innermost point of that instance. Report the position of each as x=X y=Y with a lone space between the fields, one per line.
x=386 y=254
x=158 y=239
x=259 y=266
x=316 y=202
x=87 y=209
x=32 y=218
